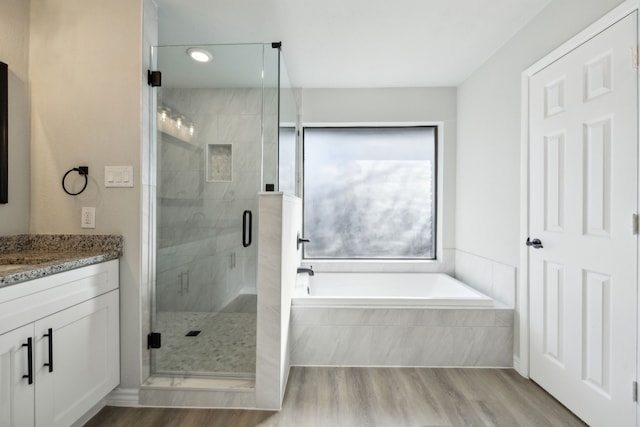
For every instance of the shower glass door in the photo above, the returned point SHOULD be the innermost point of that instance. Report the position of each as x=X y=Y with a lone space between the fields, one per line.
x=210 y=120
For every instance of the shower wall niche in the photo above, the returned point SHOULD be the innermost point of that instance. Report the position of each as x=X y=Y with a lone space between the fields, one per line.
x=219 y=162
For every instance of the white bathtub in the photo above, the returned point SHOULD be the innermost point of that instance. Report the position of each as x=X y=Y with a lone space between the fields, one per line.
x=386 y=289
x=391 y=319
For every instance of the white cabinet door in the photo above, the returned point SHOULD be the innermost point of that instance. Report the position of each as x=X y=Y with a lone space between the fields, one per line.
x=16 y=394
x=85 y=359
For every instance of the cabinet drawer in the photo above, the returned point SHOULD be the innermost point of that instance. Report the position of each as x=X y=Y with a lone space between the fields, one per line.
x=24 y=302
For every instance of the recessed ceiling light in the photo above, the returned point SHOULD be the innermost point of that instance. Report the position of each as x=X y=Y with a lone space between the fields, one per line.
x=199 y=55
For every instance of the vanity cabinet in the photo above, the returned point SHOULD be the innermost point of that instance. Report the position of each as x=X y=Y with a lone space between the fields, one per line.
x=16 y=394
x=59 y=346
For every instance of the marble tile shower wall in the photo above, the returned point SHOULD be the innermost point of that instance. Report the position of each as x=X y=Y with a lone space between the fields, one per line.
x=201 y=262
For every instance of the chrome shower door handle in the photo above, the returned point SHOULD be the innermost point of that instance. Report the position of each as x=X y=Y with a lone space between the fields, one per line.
x=247 y=224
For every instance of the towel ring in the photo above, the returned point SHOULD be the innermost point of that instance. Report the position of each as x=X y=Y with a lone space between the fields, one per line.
x=82 y=170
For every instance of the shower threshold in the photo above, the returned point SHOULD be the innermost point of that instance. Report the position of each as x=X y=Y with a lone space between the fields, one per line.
x=163 y=382
x=224 y=376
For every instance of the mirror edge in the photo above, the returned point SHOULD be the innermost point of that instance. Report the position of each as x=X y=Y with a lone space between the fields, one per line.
x=4 y=133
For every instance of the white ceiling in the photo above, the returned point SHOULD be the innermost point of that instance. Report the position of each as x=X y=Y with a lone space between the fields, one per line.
x=232 y=66
x=357 y=43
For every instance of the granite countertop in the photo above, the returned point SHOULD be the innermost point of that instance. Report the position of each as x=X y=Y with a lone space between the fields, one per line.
x=26 y=257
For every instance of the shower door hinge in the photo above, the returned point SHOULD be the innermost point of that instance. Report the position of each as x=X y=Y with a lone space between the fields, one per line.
x=635 y=227
x=154 y=340
x=634 y=391
x=636 y=61
x=276 y=45
x=154 y=78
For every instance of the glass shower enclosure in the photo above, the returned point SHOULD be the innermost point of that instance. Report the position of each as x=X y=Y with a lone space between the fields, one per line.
x=216 y=148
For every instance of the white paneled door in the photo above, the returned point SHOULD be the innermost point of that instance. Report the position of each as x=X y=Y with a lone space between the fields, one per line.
x=583 y=195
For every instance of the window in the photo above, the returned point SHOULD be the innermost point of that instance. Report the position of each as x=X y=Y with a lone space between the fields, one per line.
x=369 y=192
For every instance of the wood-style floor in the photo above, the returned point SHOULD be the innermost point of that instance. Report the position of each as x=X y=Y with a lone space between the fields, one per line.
x=387 y=397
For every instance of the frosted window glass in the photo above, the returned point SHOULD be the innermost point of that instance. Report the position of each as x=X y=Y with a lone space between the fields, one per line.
x=369 y=193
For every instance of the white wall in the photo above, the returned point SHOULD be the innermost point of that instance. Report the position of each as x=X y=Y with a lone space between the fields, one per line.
x=488 y=146
x=86 y=84
x=395 y=105
x=14 y=51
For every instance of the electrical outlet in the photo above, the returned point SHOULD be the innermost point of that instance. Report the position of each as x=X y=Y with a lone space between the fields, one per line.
x=88 y=218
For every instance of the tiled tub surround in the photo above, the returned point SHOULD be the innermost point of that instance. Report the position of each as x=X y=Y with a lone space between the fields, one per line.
x=429 y=336
x=495 y=279
x=492 y=278
x=393 y=332
x=26 y=257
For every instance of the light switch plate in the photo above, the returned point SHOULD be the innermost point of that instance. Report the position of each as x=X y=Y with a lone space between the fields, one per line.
x=118 y=176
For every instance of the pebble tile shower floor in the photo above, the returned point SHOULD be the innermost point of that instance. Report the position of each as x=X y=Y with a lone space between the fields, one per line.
x=226 y=344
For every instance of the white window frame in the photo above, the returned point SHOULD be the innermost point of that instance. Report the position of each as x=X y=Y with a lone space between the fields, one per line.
x=441 y=263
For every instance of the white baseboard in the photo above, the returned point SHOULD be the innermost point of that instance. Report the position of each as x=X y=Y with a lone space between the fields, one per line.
x=518 y=367
x=123 y=397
